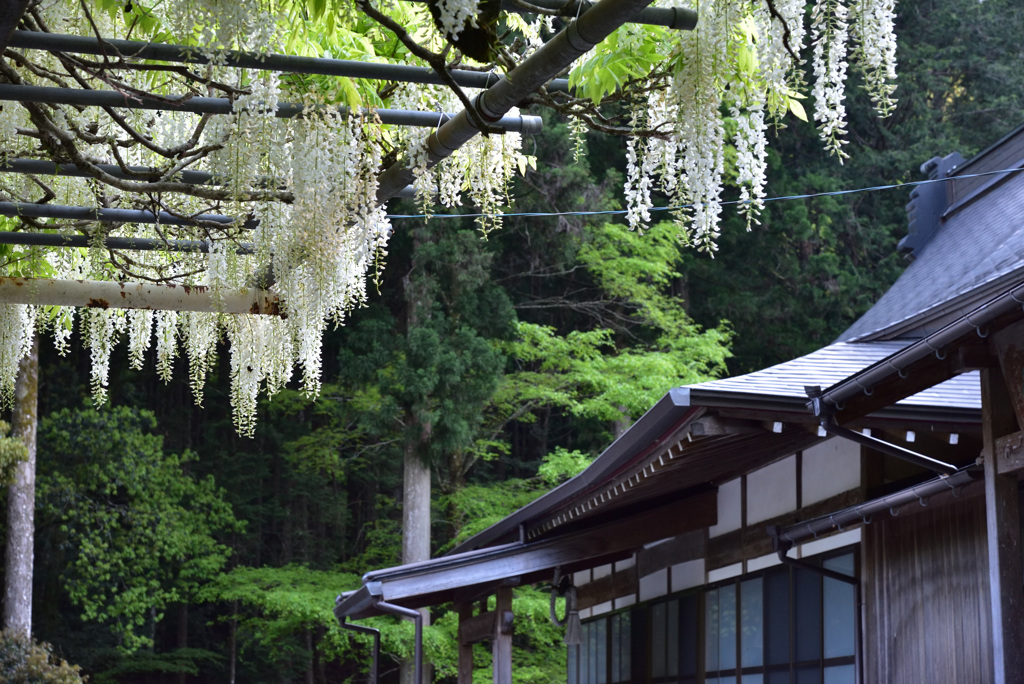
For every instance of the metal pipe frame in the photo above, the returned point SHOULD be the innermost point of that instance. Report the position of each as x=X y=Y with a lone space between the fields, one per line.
x=57 y=211
x=557 y=54
x=183 y=54
x=678 y=18
x=98 y=294
x=122 y=243
x=889 y=449
x=44 y=167
x=524 y=125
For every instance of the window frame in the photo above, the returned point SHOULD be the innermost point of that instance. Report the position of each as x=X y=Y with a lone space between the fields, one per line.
x=641 y=615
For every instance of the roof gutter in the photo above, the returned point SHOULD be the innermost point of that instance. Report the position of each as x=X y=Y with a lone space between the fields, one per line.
x=835 y=397
x=785 y=538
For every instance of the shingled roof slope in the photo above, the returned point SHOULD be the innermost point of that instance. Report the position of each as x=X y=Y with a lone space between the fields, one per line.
x=835 y=363
x=977 y=252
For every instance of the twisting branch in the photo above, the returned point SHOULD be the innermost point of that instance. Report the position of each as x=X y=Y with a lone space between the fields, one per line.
x=786 y=35
x=436 y=62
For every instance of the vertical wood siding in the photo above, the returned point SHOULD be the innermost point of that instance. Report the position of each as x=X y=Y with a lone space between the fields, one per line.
x=926 y=595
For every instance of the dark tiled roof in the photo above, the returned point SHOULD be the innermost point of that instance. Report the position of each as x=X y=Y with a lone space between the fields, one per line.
x=976 y=252
x=835 y=363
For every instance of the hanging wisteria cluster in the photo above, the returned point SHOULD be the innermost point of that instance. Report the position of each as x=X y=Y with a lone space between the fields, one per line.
x=304 y=189
x=741 y=62
x=318 y=229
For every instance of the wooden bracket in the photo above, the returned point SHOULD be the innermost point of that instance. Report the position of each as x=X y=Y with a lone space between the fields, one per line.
x=477 y=628
x=1010 y=453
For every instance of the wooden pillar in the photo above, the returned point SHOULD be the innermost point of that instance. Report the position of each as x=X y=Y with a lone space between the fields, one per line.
x=501 y=646
x=465 y=647
x=1002 y=514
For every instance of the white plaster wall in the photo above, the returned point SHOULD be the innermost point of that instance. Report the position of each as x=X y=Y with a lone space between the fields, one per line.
x=624 y=601
x=762 y=562
x=831 y=467
x=771 y=491
x=687 y=575
x=836 y=541
x=654 y=585
x=719 y=574
x=730 y=509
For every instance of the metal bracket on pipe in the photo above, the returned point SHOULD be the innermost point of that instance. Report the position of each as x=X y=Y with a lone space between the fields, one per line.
x=782 y=547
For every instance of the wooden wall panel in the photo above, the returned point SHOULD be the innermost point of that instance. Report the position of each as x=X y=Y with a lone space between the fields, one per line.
x=926 y=595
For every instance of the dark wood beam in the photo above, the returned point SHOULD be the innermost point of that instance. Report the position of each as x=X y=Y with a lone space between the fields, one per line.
x=465 y=611
x=1002 y=519
x=970 y=357
x=482 y=627
x=1009 y=347
x=607 y=588
x=685 y=547
x=444 y=575
x=480 y=592
x=754 y=541
x=714 y=426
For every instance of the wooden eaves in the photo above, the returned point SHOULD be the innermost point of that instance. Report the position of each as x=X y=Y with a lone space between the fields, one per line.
x=656 y=481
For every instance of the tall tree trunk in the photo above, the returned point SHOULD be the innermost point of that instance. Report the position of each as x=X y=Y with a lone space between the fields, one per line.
x=415 y=506
x=233 y=645
x=182 y=637
x=21 y=501
x=416 y=467
x=415 y=519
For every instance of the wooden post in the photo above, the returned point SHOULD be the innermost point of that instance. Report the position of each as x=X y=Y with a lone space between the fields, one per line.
x=1002 y=515
x=465 y=648
x=501 y=646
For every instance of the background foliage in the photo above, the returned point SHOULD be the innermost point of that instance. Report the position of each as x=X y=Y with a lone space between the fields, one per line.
x=172 y=550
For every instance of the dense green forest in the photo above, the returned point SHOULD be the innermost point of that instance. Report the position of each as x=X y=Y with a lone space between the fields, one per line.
x=168 y=548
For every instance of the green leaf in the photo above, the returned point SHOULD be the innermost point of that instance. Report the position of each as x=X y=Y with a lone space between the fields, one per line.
x=797 y=109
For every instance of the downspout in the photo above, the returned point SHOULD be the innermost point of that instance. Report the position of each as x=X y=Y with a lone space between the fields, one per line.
x=782 y=547
x=376 y=603
x=363 y=629
x=414 y=615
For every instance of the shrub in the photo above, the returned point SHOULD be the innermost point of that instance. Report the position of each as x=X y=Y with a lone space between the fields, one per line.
x=23 y=661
